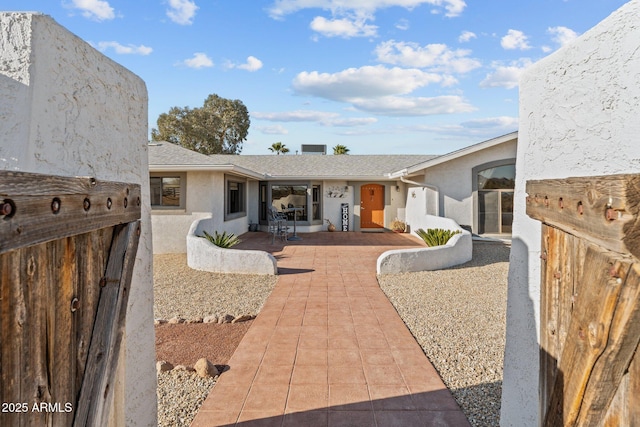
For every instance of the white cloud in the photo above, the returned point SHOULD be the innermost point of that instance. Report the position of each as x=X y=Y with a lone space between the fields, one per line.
x=321 y=117
x=403 y=24
x=125 y=50
x=436 y=56
x=344 y=27
x=413 y=106
x=199 y=60
x=273 y=130
x=506 y=76
x=515 y=40
x=502 y=122
x=182 y=11
x=363 y=82
x=296 y=116
x=252 y=64
x=98 y=10
x=466 y=36
x=281 y=8
x=562 y=35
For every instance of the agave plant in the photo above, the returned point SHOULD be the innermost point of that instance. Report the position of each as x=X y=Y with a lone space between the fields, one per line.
x=436 y=236
x=223 y=240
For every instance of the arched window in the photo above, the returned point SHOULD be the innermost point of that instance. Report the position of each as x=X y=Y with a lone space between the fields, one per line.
x=494 y=184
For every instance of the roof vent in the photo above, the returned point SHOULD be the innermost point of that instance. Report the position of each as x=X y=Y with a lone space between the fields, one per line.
x=314 y=149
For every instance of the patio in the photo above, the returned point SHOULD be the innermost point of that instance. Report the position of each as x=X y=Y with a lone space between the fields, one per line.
x=328 y=348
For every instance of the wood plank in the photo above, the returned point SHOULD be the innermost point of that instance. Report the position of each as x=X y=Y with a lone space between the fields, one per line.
x=621 y=343
x=44 y=207
x=634 y=390
x=98 y=383
x=12 y=317
x=590 y=325
x=580 y=207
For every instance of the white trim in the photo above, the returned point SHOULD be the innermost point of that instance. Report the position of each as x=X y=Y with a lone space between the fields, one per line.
x=207 y=168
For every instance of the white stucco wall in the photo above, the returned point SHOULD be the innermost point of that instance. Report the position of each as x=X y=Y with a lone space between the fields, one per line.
x=578 y=117
x=334 y=194
x=454 y=180
x=66 y=109
x=205 y=197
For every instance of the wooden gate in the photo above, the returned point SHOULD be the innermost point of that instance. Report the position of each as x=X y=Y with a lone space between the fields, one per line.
x=67 y=250
x=590 y=299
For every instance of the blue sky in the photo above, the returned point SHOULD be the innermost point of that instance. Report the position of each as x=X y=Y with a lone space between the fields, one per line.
x=379 y=76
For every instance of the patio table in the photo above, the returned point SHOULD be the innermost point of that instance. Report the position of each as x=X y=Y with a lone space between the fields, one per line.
x=294 y=210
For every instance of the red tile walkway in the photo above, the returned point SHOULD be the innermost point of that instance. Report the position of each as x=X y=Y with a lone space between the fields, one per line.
x=328 y=348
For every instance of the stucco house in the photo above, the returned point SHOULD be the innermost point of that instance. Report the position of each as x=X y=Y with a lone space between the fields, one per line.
x=473 y=186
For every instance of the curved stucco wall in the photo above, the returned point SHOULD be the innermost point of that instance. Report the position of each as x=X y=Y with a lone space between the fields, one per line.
x=458 y=250
x=203 y=255
x=578 y=117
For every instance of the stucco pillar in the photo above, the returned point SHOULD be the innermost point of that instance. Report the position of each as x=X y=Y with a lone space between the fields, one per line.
x=66 y=109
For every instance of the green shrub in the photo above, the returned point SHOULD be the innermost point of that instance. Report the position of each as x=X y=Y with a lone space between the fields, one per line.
x=223 y=240
x=436 y=236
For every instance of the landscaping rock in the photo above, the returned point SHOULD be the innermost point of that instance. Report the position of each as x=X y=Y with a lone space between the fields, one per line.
x=183 y=368
x=163 y=366
x=176 y=320
x=227 y=318
x=204 y=368
x=196 y=320
x=210 y=319
x=242 y=318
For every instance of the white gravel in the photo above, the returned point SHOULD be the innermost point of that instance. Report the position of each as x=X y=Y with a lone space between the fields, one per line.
x=180 y=291
x=458 y=318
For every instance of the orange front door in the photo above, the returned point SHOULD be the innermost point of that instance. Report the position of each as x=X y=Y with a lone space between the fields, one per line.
x=372 y=206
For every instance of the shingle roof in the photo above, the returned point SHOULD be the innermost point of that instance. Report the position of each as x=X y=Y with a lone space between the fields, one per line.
x=325 y=166
x=165 y=155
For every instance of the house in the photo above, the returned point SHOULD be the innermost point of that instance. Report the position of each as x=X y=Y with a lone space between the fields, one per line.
x=473 y=186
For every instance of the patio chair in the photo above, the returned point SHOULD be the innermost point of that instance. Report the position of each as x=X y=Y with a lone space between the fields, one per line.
x=277 y=224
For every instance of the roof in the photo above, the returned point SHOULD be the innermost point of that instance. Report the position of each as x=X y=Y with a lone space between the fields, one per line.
x=436 y=160
x=323 y=166
x=165 y=156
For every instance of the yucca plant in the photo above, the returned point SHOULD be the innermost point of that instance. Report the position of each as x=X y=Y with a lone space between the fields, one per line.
x=223 y=240
x=436 y=236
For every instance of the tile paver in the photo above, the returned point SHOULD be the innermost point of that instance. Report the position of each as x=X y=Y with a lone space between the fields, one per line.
x=328 y=348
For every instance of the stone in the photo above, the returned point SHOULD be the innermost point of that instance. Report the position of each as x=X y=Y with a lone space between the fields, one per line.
x=196 y=320
x=163 y=366
x=210 y=319
x=183 y=368
x=242 y=318
x=176 y=320
x=204 y=368
x=227 y=318
x=157 y=322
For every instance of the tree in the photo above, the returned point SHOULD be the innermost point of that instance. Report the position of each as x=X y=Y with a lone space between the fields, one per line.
x=340 y=149
x=218 y=127
x=278 y=147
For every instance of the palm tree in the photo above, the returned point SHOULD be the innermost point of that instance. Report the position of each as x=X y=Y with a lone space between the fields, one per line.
x=340 y=149
x=278 y=147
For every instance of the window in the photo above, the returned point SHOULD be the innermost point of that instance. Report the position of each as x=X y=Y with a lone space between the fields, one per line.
x=300 y=199
x=494 y=183
x=167 y=191
x=235 y=199
x=315 y=200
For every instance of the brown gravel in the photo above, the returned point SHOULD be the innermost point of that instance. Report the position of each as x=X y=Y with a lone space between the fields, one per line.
x=184 y=344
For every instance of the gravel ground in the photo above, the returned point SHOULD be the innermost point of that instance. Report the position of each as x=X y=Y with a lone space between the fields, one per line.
x=180 y=291
x=458 y=317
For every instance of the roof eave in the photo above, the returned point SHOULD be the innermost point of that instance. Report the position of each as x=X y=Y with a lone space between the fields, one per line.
x=207 y=168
